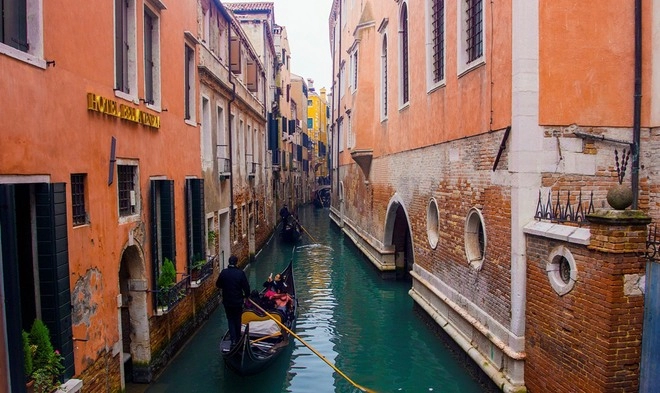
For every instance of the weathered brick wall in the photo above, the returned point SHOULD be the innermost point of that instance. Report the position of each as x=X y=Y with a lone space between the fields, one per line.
x=458 y=176
x=103 y=375
x=588 y=340
x=169 y=332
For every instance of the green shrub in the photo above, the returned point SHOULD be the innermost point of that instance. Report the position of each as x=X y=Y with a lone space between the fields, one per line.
x=167 y=276
x=28 y=353
x=40 y=336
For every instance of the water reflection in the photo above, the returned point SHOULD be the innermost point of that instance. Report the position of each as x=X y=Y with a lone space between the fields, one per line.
x=362 y=324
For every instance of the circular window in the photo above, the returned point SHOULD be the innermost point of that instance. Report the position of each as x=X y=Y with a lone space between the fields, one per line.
x=432 y=223
x=562 y=270
x=475 y=239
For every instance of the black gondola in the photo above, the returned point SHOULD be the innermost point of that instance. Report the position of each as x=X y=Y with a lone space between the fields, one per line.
x=290 y=231
x=322 y=196
x=262 y=339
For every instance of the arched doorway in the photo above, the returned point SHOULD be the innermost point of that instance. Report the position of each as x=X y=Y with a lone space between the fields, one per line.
x=399 y=238
x=133 y=320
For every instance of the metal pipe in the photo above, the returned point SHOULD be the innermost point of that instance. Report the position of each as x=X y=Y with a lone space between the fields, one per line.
x=637 y=104
x=232 y=216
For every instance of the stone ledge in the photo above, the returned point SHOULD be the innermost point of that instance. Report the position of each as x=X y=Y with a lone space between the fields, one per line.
x=565 y=233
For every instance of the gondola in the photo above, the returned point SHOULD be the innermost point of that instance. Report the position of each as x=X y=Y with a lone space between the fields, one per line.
x=290 y=232
x=322 y=196
x=262 y=339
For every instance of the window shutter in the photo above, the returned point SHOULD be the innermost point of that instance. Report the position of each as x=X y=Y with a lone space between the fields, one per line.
x=155 y=268
x=12 y=292
x=292 y=126
x=167 y=219
x=53 y=257
x=195 y=225
x=252 y=84
x=235 y=54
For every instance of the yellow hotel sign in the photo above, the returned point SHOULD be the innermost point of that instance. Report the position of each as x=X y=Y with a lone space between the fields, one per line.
x=110 y=107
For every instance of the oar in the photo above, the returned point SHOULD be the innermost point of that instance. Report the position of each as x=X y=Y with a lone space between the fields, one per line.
x=303 y=228
x=329 y=363
x=265 y=337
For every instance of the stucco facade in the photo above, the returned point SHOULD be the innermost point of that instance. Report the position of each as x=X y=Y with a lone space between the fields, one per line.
x=135 y=133
x=453 y=121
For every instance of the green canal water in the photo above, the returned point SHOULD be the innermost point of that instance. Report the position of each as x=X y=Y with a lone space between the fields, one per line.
x=366 y=326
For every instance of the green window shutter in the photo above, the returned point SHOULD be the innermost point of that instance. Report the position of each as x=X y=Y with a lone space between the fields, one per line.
x=53 y=257
x=153 y=189
x=12 y=293
x=167 y=219
x=195 y=218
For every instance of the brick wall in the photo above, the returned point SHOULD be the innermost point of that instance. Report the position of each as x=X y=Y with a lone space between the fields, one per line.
x=441 y=172
x=103 y=375
x=588 y=340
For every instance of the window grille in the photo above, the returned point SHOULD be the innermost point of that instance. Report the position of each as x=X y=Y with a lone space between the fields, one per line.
x=474 y=14
x=385 y=75
x=78 y=199
x=126 y=185
x=405 y=88
x=438 y=11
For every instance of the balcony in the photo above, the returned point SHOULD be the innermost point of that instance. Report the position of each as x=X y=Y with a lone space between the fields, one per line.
x=224 y=168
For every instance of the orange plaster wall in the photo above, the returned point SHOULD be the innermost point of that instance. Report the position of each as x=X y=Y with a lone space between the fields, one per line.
x=587 y=75
x=459 y=108
x=47 y=130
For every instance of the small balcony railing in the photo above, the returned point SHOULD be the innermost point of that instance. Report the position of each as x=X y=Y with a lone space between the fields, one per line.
x=166 y=299
x=199 y=273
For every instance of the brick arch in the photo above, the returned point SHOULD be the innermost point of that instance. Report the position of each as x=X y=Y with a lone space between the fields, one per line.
x=397 y=234
x=134 y=319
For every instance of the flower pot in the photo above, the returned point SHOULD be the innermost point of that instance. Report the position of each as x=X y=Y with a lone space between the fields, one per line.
x=620 y=197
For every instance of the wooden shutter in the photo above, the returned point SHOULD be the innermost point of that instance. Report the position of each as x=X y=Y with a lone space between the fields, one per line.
x=12 y=292
x=252 y=76
x=235 y=55
x=53 y=257
x=195 y=220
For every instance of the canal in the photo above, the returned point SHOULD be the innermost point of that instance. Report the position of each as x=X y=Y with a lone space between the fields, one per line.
x=366 y=326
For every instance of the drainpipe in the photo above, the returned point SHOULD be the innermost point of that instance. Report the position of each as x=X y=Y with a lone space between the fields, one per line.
x=338 y=101
x=231 y=146
x=637 y=103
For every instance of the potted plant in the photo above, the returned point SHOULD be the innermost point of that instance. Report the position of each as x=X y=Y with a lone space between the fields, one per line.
x=166 y=280
x=620 y=196
x=43 y=364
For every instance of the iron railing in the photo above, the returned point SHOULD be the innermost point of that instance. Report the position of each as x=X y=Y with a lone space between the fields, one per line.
x=570 y=211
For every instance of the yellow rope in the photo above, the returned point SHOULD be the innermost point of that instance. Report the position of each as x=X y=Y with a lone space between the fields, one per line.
x=362 y=388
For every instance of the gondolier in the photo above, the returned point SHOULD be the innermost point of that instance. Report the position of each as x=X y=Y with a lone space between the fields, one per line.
x=235 y=289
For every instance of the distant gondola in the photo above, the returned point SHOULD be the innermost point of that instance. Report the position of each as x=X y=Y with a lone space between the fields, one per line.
x=262 y=339
x=322 y=197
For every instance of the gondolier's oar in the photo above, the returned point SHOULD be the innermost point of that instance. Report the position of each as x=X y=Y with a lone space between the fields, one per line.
x=303 y=228
x=329 y=363
x=265 y=337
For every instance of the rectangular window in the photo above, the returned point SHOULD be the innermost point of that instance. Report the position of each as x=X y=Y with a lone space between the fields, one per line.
x=151 y=58
x=78 y=210
x=383 y=72
x=355 y=70
x=125 y=80
x=310 y=123
x=474 y=31
x=13 y=24
x=438 y=35
x=405 y=75
x=126 y=183
x=189 y=93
